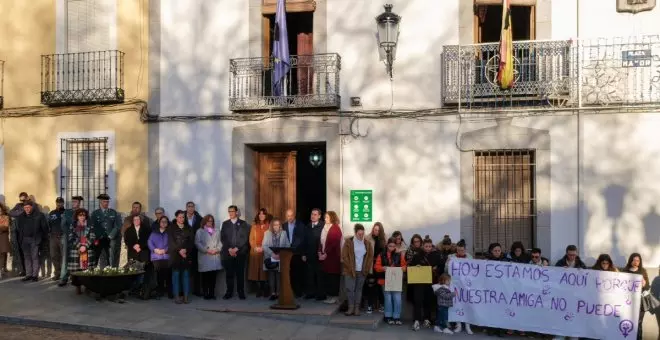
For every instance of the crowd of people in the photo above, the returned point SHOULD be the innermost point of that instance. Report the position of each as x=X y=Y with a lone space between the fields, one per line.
x=183 y=256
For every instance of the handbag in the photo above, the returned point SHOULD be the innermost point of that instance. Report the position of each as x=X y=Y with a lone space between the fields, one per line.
x=270 y=265
x=650 y=303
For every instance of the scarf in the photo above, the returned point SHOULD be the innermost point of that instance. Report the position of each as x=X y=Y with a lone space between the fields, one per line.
x=209 y=230
x=276 y=239
x=324 y=235
x=84 y=255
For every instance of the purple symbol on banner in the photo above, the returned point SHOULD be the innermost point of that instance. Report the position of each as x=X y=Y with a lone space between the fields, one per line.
x=510 y=312
x=460 y=312
x=626 y=327
x=546 y=290
x=468 y=283
x=628 y=299
x=569 y=316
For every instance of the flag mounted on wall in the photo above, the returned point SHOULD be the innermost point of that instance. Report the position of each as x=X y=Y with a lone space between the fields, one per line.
x=505 y=72
x=281 y=61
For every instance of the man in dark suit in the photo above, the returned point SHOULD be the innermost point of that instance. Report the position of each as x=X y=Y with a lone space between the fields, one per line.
x=194 y=221
x=235 y=237
x=295 y=231
x=311 y=258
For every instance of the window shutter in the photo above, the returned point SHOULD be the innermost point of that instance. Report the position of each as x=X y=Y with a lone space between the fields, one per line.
x=88 y=25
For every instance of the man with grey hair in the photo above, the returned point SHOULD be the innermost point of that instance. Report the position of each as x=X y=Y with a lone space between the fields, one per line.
x=158 y=213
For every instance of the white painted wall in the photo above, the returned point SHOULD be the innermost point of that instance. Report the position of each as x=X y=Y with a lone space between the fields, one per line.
x=197 y=40
x=426 y=26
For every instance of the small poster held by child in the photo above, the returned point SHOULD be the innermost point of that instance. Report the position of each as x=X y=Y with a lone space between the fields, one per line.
x=393 y=279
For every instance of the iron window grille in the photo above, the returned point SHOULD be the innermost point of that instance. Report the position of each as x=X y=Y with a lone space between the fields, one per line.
x=84 y=170
x=504 y=198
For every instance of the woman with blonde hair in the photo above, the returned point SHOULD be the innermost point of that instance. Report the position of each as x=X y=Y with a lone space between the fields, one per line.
x=275 y=237
x=330 y=256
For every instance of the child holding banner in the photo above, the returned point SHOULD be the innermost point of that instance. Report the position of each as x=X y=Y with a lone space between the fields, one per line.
x=461 y=253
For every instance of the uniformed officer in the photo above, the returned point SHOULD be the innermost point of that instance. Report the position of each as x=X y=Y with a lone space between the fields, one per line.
x=107 y=226
x=67 y=222
x=55 y=237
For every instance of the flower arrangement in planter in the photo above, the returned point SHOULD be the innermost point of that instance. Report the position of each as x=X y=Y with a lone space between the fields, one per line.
x=109 y=271
x=109 y=281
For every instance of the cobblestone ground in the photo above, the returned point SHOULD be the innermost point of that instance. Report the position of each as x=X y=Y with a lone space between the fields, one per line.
x=13 y=332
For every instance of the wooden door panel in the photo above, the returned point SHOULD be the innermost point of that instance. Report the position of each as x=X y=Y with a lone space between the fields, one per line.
x=277 y=182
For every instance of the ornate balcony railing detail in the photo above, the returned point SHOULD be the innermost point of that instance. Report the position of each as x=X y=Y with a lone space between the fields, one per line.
x=82 y=78
x=312 y=82
x=542 y=73
x=561 y=73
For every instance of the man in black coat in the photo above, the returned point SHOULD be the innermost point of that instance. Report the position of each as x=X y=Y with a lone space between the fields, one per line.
x=295 y=231
x=311 y=257
x=235 y=237
x=194 y=222
x=32 y=227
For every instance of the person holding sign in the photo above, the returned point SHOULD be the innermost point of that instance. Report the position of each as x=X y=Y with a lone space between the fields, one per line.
x=389 y=263
x=426 y=262
x=634 y=266
x=357 y=260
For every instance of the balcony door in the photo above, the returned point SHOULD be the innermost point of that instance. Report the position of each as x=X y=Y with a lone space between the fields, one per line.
x=299 y=81
x=488 y=24
x=88 y=65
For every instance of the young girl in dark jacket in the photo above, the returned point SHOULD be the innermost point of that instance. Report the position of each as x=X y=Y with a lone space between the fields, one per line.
x=424 y=299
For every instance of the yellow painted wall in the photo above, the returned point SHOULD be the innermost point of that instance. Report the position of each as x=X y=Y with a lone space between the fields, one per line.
x=27 y=30
x=133 y=39
x=32 y=159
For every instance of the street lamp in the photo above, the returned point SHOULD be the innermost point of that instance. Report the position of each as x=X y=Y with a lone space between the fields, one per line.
x=388 y=35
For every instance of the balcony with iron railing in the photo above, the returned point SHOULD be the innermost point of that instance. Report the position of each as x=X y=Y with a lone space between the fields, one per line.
x=560 y=73
x=312 y=82
x=82 y=78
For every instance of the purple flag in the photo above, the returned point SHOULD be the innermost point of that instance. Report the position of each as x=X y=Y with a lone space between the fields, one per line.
x=281 y=61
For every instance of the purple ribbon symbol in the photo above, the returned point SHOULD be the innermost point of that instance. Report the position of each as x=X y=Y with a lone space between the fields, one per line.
x=569 y=316
x=510 y=312
x=546 y=290
x=628 y=299
x=460 y=312
x=626 y=327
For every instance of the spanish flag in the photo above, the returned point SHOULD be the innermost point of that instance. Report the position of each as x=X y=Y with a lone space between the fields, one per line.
x=505 y=70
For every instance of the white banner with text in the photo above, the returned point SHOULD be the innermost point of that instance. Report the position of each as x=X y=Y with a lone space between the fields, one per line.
x=547 y=300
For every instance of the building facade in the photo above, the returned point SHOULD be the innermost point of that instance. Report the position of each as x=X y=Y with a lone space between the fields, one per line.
x=75 y=86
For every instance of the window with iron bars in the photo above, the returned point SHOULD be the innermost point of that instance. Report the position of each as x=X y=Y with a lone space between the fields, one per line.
x=84 y=170
x=504 y=198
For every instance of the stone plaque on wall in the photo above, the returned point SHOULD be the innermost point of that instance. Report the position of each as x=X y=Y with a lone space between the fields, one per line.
x=634 y=6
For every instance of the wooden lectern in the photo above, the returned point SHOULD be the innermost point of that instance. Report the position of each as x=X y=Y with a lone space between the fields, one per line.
x=286 y=300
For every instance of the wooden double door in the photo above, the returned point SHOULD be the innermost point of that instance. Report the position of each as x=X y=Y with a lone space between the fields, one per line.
x=276 y=187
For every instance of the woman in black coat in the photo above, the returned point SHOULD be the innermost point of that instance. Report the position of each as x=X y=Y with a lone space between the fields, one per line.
x=181 y=245
x=136 y=238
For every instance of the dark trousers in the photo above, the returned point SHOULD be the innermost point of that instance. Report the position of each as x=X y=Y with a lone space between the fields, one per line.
x=56 y=253
x=109 y=253
x=315 y=285
x=331 y=284
x=374 y=292
x=639 y=327
x=3 y=261
x=31 y=250
x=297 y=275
x=45 y=264
x=235 y=270
x=424 y=302
x=442 y=317
x=208 y=283
x=163 y=276
x=196 y=280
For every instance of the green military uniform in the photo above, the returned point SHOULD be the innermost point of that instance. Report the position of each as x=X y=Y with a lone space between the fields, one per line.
x=107 y=227
x=67 y=222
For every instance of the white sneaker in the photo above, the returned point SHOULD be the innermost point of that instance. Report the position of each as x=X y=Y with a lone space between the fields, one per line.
x=468 y=330
x=458 y=328
x=437 y=329
x=447 y=331
x=415 y=326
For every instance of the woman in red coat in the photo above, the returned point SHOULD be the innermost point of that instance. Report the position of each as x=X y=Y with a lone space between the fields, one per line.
x=330 y=256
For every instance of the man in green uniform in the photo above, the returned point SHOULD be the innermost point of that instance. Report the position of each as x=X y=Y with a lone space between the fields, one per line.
x=67 y=223
x=107 y=226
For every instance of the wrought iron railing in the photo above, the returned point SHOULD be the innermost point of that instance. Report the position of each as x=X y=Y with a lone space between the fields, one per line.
x=312 y=82
x=82 y=78
x=614 y=71
x=542 y=74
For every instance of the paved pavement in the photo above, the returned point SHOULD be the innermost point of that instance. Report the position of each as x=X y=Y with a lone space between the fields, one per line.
x=14 y=332
x=43 y=304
